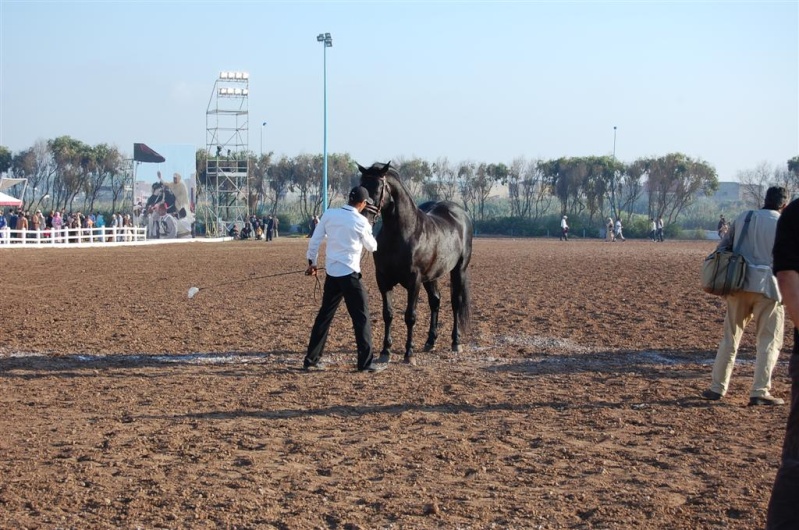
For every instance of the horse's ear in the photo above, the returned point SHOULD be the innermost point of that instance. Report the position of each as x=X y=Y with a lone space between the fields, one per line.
x=362 y=169
x=386 y=167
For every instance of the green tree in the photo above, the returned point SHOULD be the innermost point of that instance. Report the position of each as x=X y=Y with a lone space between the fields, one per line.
x=442 y=184
x=71 y=165
x=674 y=180
x=414 y=173
x=341 y=174
x=106 y=162
x=36 y=165
x=5 y=159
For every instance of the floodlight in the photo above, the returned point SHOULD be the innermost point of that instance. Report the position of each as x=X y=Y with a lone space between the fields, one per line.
x=320 y=37
x=246 y=91
x=245 y=75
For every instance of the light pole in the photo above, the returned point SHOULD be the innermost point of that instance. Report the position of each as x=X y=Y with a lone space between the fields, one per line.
x=262 y=137
x=613 y=182
x=327 y=42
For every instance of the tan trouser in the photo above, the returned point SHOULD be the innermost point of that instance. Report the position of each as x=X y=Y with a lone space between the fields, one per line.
x=769 y=318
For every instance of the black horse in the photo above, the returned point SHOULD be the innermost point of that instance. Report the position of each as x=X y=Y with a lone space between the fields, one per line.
x=416 y=247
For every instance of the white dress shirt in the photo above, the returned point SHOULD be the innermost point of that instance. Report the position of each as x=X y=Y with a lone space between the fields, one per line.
x=348 y=233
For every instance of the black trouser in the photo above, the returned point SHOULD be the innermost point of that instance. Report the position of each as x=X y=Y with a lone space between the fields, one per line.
x=783 y=509
x=351 y=289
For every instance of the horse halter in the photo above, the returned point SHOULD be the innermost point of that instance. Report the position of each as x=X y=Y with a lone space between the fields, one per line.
x=375 y=208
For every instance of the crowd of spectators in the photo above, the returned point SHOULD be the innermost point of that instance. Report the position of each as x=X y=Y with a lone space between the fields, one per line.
x=64 y=226
x=265 y=228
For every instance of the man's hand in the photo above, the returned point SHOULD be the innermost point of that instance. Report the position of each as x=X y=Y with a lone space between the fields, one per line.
x=311 y=270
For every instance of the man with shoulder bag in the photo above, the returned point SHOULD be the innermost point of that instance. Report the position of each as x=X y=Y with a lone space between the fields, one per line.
x=758 y=299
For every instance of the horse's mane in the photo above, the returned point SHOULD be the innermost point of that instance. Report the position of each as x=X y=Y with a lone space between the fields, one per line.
x=378 y=166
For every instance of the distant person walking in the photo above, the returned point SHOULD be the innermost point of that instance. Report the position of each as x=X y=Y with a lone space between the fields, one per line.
x=564 y=229
x=618 y=230
x=759 y=301
x=660 y=230
x=609 y=230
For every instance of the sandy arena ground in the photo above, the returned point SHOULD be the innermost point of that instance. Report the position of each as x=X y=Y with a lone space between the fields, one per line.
x=574 y=405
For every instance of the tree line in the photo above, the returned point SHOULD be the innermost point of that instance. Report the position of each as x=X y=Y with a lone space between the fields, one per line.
x=61 y=170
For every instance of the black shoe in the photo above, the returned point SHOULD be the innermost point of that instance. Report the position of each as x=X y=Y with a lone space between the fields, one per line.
x=712 y=396
x=316 y=367
x=374 y=367
x=766 y=400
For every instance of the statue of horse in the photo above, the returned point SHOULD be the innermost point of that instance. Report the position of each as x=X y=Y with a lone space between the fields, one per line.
x=416 y=247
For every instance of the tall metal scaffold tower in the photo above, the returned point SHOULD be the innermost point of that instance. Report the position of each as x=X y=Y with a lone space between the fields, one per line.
x=227 y=146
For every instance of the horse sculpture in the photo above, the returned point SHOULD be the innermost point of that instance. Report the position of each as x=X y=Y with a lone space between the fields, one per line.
x=416 y=247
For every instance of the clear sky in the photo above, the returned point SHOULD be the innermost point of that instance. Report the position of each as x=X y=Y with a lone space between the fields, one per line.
x=481 y=81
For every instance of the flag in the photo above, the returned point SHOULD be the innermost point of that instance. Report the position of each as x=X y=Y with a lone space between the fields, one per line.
x=142 y=153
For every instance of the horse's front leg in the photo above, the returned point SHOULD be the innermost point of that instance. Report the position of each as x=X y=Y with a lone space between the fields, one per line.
x=388 y=317
x=434 y=299
x=410 y=321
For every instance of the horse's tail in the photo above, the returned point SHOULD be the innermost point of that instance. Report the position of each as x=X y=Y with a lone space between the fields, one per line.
x=465 y=310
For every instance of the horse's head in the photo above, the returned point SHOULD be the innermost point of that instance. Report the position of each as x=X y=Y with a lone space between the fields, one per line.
x=374 y=180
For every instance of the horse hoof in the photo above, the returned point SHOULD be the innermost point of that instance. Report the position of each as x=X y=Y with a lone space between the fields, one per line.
x=384 y=358
x=457 y=348
x=410 y=360
x=429 y=346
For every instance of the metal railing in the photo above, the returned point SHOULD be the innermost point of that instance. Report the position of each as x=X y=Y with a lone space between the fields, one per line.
x=52 y=236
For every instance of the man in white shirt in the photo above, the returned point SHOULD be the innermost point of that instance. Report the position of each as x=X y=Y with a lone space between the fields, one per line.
x=348 y=233
x=564 y=229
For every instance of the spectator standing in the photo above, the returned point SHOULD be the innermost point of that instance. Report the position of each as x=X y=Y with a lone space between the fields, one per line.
x=783 y=510
x=564 y=228
x=276 y=222
x=660 y=230
x=347 y=233
x=609 y=230
x=760 y=299
x=270 y=227
x=22 y=222
x=57 y=225
x=722 y=227
x=12 y=219
x=653 y=230
x=35 y=221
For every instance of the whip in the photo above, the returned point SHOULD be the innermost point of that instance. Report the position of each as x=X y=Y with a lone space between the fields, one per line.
x=194 y=290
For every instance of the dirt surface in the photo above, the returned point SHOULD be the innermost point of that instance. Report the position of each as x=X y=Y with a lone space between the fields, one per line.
x=574 y=405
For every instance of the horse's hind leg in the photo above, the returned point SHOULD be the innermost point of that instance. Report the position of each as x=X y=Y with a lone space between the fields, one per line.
x=388 y=317
x=460 y=304
x=434 y=299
